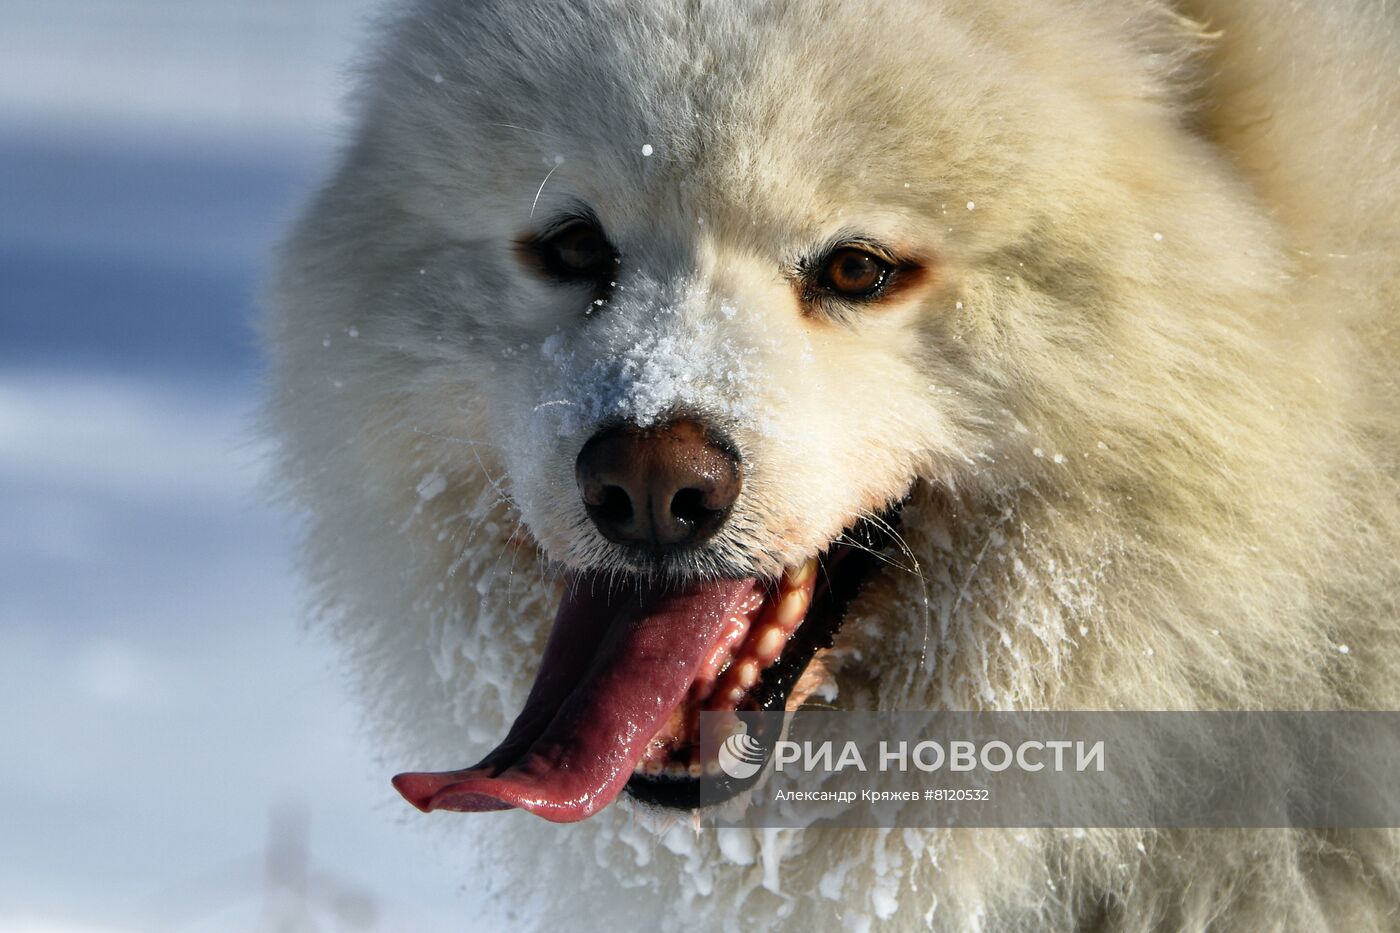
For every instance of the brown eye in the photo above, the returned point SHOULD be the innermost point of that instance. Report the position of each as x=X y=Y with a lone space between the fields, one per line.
x=853 y=273
x=576 y=252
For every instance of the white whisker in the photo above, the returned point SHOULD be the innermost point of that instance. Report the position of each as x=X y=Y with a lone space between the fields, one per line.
x=534 y=204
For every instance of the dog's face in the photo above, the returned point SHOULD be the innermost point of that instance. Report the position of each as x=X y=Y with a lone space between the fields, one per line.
x=773 y=267
x=712 y=288
x=757 y=228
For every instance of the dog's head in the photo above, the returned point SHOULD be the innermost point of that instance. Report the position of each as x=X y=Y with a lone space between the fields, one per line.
x=706 y=290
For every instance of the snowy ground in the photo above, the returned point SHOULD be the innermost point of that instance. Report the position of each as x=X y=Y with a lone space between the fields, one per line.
x=167 y=730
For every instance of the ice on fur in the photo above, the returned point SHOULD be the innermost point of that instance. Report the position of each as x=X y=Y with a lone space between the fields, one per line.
x=1142 y=399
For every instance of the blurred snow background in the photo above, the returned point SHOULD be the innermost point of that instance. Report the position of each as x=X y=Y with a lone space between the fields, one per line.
x=175 y=753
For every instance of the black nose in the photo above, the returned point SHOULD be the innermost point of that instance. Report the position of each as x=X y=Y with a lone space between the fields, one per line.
x=659 y=488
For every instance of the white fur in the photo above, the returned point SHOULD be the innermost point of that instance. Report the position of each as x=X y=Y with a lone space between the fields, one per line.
x=1148 y=395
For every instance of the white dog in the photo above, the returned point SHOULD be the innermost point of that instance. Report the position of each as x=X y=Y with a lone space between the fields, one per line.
x=630 y=313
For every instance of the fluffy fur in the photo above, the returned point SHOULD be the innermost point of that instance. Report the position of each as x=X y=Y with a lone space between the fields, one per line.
x=1147 y=401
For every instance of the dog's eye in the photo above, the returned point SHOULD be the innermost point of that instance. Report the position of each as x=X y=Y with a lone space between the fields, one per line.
x=853 y=273
x=577 y=251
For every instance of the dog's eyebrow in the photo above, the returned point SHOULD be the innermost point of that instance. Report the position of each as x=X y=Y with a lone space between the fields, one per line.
x=573 y=213
x=809 y=259
x=862 y=241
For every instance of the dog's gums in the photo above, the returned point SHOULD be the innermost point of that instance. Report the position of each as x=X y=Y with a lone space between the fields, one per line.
x=627 y=672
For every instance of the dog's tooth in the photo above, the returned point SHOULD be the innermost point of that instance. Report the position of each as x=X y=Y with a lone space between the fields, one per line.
x=654 y=768
x=798 y=578
x=748 y=674
x=675 y=770
x=792 y=609
x=694 y=769
x=770 y=644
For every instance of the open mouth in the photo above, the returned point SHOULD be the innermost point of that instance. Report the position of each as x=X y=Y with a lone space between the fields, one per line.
x=629 y=669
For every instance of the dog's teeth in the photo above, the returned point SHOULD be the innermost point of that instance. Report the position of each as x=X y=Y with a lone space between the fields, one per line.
x=738 y=659
x=675 y=770
x=694 y=769
x=800 y=576
x=653 y=768
x=792 y=609
x=770 y=645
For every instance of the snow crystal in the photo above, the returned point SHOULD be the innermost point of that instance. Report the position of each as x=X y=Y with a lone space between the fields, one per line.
x=1059 y=458
x=437 y=79
x=832 y=883
x=773 y=845
x=1039 y=452
x=680 y=840
x=736 y=845
x=655 y=355
x=1344 y=649
x=431 y=486
x=325 y=341
x=884 y=897
x=635 y=836
x=1157 y=237
x=353 y=332
x=972 y=206
x=552 y=347
x=647 y=149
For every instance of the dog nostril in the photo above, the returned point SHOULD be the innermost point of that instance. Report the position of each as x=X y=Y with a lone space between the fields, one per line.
x=615 y=505
x=688 y=505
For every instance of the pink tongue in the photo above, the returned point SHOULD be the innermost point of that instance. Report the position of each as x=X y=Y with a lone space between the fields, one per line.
x=614 y=669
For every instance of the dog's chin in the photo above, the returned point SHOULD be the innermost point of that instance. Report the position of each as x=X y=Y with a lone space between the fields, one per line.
x=634 y=658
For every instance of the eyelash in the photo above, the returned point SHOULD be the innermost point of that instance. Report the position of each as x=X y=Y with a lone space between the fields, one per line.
x=808 y=271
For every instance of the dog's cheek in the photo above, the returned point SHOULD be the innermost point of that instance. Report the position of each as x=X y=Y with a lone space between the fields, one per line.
x=832 y=448
x=538 y=469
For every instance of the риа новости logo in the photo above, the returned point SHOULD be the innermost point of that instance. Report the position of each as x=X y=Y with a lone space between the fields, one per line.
x=741 y=756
